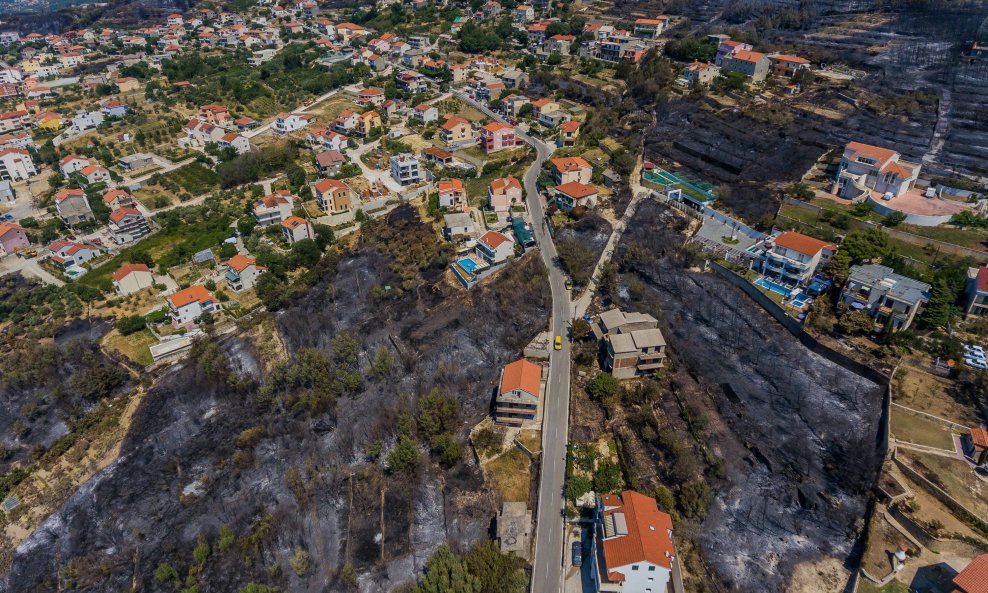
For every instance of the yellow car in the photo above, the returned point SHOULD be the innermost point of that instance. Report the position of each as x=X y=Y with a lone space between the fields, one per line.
x=558 y=345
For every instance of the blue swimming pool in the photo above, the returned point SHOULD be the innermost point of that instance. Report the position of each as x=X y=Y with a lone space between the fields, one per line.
x=468 y=264
x=773 y=286
x=800 y=300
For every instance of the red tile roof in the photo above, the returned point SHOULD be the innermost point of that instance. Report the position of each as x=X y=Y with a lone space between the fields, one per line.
x=983 y=279
x=803 y=243
x=192 y=294
x=748 y=56
x=576 y=190
x=569 y=126
x=121 y=213
x=648 y=537
x=882 y=155
x=6 y=227
x=127 y=269
x=64 y=194
x=494 y=239
x=496 y=127
x=523 y=375
x=979 y=436
x=570 y=164
x=238 y=263
x=326 y=185
x=293 y=222
x=448 y=185
x=974 y=578
x=504 y=184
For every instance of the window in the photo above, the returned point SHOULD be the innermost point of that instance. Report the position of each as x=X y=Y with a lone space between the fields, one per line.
x=651 y=569
x=634 y=567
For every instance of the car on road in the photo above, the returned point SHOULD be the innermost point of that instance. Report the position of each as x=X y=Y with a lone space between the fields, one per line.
x=569 y=285
x=577 y=554
x=7 y=217
x=558 y=344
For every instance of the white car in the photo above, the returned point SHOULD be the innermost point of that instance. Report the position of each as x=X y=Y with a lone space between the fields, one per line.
x=977 y=363
x=975 y=350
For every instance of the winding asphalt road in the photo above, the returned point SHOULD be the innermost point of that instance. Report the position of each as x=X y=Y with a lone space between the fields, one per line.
x=547 y=569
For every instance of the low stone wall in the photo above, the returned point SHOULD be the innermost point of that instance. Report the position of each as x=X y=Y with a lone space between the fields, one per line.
x=962 y=512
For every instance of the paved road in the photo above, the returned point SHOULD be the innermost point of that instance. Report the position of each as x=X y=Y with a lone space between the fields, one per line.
x=547 y=574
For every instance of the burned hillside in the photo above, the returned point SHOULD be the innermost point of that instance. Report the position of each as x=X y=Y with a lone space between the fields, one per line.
x=343 y=462
x=45 y=390
x=790 y=444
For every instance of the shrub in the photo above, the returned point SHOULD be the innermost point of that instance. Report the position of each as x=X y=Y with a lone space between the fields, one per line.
x=130 y=325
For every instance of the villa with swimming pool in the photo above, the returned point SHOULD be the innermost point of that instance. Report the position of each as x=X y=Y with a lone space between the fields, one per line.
x=790 y=259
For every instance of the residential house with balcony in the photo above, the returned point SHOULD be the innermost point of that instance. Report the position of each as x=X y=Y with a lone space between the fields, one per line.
x=884 y=295
x=786 y=66
x=523 y=13
x=728 y=48
x=274 y=208
x=570 y=169
x=333 y=196
x=519 y=394
x=495 y=247
x=65 y=253
x=16 y=164
x=451 y=194
x=632 y=549
x=699 y=74
x=73 y=163
x=573 y=194
x=289 y=122
x=976 y=290
x=434 y=154
x=218 y=115
x=188 y=305
x=238 y=143
x=498 y=136
x=559 y=44
x=425 y=113
x=650 y=28
x=753 y=64
x=242 y=272
x=405 y=169
x=117 y=198
x=296 y=228
x=873 y=170
x=790 y=258
x=371 y=96
x=94 y=174
x=569 y=131
x=330 y=140
x=127 y=225
x=503 y=193
x=456 y=131
x=72 y=206
x=367 y=122
x=633 y=344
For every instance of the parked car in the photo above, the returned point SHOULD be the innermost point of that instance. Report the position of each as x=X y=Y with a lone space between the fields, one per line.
x=975 y=350
x=577 y=554
x=569 y=285
x=558 y=344
x=977 y=363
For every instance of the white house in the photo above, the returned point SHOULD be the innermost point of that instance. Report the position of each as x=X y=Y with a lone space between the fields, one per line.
x=295 y=228
x=865 y=168
x=242 y=272
x=495 y=247
x=274 y=208
x=67 y=253
x=188 y=305
x=632 y=546
x=289 y=122
x=235 y=141
x=72 y=163
x=425 y=113
x=16 y=164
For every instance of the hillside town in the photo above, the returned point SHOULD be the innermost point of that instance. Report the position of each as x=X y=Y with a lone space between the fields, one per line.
x=566 y=293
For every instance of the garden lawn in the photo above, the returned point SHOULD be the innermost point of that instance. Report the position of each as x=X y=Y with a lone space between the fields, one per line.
x=919 y=430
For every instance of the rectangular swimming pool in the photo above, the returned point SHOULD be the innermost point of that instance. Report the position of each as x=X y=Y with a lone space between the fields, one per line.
x=468 y=264
x=773 y=286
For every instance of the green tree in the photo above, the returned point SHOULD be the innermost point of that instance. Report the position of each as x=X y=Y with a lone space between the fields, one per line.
x=940 y=311
x=437 y=413
x=404 y=457
x=894 y=219
x=497 y=572
x=130 y=325
x=694 y=499
x=577 y=486
x=447 y=573
x=607 y=477
x=603 y=386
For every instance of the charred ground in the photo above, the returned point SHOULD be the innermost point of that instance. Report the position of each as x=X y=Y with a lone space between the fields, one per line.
x=785 y=440
x=240 y=468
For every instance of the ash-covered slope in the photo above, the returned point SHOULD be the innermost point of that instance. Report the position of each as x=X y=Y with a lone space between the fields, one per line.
x=800 y=448
x=233 y=474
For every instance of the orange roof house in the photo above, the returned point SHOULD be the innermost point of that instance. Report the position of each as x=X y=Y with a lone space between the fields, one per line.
x=803 y=243
x=127 y=269
x=192 y=294
x=635 y=535
x=518 y=397
x=974 y=578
